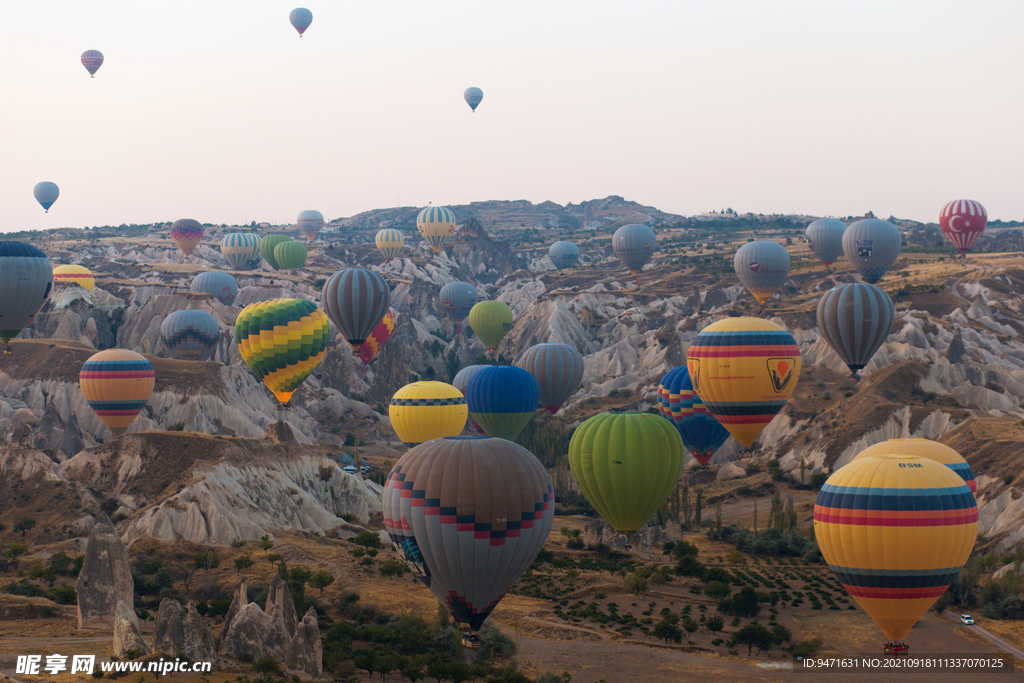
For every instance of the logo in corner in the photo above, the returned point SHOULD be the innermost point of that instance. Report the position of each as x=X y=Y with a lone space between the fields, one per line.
x=780 y=370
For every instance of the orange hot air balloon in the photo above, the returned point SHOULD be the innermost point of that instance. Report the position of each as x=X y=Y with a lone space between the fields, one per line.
x=117 y=384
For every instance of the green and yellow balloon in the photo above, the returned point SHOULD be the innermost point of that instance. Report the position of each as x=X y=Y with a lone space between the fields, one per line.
x=491 y=321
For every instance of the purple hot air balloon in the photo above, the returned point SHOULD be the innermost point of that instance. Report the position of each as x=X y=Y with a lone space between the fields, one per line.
x=92 y=60
x=301 y=18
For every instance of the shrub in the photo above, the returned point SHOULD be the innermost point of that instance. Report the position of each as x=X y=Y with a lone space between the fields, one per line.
x=368 y=539
x=64 y=595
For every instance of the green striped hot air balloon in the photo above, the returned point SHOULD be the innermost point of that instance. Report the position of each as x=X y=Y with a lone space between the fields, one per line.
x=290 y=255
x=267 y=246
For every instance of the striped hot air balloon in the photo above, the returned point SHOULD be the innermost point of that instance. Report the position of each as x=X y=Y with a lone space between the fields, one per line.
x=762 y=267
x=473 y=96
x=356 y=300
x=925 y=448
x=187 y=234
x=744 y=370
x=872 y=246
x=502 y=399
x=46 y=194
x=702 y=433
x=221 y=285
x=268 y=245
x=389 y=242
x=558 y=370
x=26 y=282
x=461 y=381
x=422 y=411
x=457 y=300
x=855 y=319
x=117 y=384
x=825 y=239
x=895 y=530
x=190 y=335
x=635 y=246
x=436 y=223
x=290 y=255
x=963 y=221
x=373 y=344
x=310 y=222
x=74 y=275
x=92 y=60
x=241 y=249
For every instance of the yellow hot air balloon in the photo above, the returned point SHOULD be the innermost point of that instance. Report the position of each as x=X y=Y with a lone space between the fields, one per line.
x=435 y=223
x=896 y=530
x=117 y=384
x=422 y=411
x=744 y=370
x=282 y=341
x=77 y=275
x=491 y=321
x=389 y=242
x=925 y=448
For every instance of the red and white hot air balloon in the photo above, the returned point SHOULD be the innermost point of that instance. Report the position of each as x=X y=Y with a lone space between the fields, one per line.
x=963 y=220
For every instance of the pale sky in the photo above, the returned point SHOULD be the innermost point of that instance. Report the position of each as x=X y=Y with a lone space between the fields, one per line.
x=216 y=110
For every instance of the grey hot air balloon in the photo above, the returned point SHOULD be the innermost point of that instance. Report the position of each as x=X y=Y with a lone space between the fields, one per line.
x=855 y=320
x=355 y=300
x=458 y=299
x=825 y=238
x=872 y=246
x=221 y=285
x=26 y=280
x=634 y=245
x=190 y=335
x=46 y=194
x=762 y=267
x=564 y=254
x=489 y=509
x=473 y=97
x=461 y=381
x=558 y=369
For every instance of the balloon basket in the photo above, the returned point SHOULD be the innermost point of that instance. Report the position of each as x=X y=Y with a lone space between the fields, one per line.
x=471 y=640
x=897 y=649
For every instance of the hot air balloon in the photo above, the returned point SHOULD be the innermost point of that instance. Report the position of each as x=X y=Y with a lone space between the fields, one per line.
x=389 y=242
x=26 y=281
x=46 y=194
x=241 y=249
x=744 y=370
x=825 y=238
x=458 y=299
x=282 y=341
x=963 y=221
x=855 y=320
x=290 y=255
x=761 y=267
x=372 y=346
x=117 y=383
x=895 y=530
x=626 y=464
x=491 y=321
x=92 y=60
x=74 y=275
x=502 y=399
x=558 y=370
x=564 y=254
x=468 y=514
x=309 y=223
x=702 y=433
x=461 y=381
x=473 y=97
x=221 y=285
x=634 y=245
x=435 y=223
x=925 y=448
x=422 y=411
x=301 y=18
x=267 y=246
x=872 y=246
x=187 y=233
x=356 y=300
x=190 y=335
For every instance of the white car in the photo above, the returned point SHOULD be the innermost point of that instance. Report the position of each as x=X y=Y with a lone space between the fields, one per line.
x=351 y=469
x=366 y=468
x=966 y=619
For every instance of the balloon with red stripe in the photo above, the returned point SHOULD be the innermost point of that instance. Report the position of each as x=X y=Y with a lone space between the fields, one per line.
x=371 y=347
x=117 y=384
x=963 y=220
x=895 y=530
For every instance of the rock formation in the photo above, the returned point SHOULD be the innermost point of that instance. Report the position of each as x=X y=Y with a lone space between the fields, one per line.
x=957 y=350
x=105 y=579
x=280 y=433
x=254 y=633
x=279 y=602
x=306 y=650
x=169 y=633
x=730 y=470
x=239 y=600
x=197 y=642
x=126 y=632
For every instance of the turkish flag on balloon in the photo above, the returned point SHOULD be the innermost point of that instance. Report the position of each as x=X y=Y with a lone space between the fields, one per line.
x=963 y=220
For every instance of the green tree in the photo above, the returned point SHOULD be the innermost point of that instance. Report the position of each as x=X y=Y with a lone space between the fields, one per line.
x=206 y=560
x=689 y=624
x=266 y=665
x=60 y=563
x=243 y=561
x=635 y=583
x=715 y=623
x=274 y=558
x=321 y=580
x=412 y=668
x=717 y=590
x=23 y=524
x=754 y=635
x=266 y=543
x=666 y=631
x=698 y=507
x=16 y=550
x=392 y=568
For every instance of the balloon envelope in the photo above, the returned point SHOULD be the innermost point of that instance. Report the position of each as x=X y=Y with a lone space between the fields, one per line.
x=46 y=194
x=221 y=285
x=855 y=319
x=309 y=223
x=300 y=18
x=422 y=411
x=26 y=282
x=762 y=267
x=117 y=384
x=872 y=246
x=458 y=299
x=469 y=514
x=634 y=245
x=372 y=346
x=92 y=60
x=963 y=221
x=564 y=254
x=895 y=530
x=435 y=223
x=702 y=433
x=925 y=448
x=356 y=300
x=825 y=239
x=558 y=370
x=502 y=399
x=190 y=335
x=389 y=242
x=241 y=249
x=491 y=321
x=74 y=275
x=290 y=255
x=461 y=381
x=187 y=233
x=268 y=244
x=473 y=97
x=626 y=464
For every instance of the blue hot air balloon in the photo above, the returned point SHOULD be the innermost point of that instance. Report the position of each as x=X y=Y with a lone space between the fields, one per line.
x=241 y=249
x=46 y=194
x=558 y=369
x=301 y=18
x=564 y=254
x=190 y=335
x=221 y=285
x=502 y=399
x=458 y=299
x=634 y=245
x=702 y=433
x=26 y=280
x=473 y=97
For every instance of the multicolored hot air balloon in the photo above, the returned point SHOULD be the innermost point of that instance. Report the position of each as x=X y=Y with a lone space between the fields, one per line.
x=290 y=255
x=46 y=194
x=744 y=370
x=187 y=233
x=825 y=239
x=634 y=245
x=457 y=300
x=872 y=246
x=241 y=249
x=26 y=281
x=389 y=242
x=267 y=246
x=310 y=222
x=502 y=399
x=422 y=411
x=473 y=97
x=436 y=223
x=300 y=18
x=282 y=341
x=762 y=267
x=372 y=346
x=74 y=275
x=468 y=514
x=564 y=254
x=117 y=384
x=855 y=320
x=356 y=300
x=92 y=60
x=925 y=448
x=895 y=530
x=626 y=464
x=221 y=285
x=491 y=321
x=461 y=381
x=680 y=404
x=190 y=335
x=558 y=370
x=963 y=221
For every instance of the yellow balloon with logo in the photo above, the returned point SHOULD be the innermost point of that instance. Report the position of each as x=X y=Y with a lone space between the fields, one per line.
x=74 y=275
x=744 y=370
x=422 y=411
